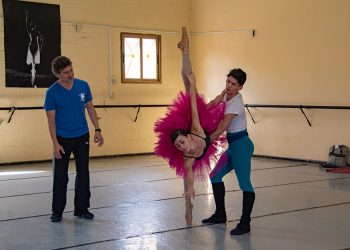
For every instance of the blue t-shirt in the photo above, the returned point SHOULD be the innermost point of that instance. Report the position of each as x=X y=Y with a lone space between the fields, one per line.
x=70 y=108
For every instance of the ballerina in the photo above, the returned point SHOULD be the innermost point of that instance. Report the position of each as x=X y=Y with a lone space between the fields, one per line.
x=183 y=134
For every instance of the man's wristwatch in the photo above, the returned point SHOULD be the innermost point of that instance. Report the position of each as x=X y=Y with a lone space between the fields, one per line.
x=98 y=130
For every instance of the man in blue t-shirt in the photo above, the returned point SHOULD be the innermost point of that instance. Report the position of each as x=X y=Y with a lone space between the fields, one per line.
x=65 y=104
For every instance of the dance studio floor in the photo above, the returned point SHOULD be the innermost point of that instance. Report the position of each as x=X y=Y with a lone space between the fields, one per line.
x=138 y=204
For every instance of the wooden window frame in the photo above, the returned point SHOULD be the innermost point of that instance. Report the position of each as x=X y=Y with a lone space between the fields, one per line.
x=140 y=36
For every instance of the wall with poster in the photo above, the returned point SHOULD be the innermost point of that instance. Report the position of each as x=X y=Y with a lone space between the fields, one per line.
x=32 y=38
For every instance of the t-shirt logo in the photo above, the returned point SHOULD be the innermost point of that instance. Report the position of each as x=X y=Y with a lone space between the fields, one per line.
x=82 y=97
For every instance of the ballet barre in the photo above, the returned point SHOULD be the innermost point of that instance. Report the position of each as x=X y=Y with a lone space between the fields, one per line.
x=301 y=107
x=138 y=106
x=247 y=106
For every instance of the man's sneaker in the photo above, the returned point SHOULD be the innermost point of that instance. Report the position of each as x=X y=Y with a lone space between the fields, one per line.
x=56 y=217
x=84 y=214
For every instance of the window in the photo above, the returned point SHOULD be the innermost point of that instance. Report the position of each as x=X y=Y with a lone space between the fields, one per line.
x=140 y=58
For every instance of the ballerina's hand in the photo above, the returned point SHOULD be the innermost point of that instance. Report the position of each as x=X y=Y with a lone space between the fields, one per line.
x=188 y=213
x=189 y=193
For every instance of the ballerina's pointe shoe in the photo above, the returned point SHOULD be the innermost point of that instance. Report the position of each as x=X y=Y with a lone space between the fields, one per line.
x=183 y=45
x=184 y=36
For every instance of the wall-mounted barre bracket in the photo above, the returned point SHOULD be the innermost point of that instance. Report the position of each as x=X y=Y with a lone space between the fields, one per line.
x=307 y=119
x=251 y=116
x=12 y=111
x=137 y=114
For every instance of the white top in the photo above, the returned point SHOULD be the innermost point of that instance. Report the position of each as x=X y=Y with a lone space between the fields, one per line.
x=236 y=106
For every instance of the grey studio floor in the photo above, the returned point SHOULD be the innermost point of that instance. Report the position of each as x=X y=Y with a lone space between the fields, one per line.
x=138 y=204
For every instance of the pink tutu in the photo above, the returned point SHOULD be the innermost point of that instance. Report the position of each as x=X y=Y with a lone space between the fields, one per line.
x=178 y=116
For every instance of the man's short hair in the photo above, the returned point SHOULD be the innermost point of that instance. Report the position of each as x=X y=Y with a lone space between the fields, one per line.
x=239 y=75
x=59 y=63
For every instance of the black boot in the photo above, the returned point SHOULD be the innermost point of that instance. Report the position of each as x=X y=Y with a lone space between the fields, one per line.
x=243 y=226
x=220 y=213
x=56 y=217
x=83 y=213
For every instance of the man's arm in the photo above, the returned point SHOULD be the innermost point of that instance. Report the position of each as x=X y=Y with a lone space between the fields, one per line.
x=217 y=100
x=223 y=125
x=51 y=119
x=98 y=138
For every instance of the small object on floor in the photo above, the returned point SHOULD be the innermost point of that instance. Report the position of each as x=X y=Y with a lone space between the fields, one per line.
x=337 y=157
x=341 y=170
x=56 y=217
x=326 y=165
x=84 y=214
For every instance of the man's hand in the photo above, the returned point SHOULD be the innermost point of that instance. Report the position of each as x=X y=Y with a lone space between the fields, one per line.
x=98 y=138
x=57 y=150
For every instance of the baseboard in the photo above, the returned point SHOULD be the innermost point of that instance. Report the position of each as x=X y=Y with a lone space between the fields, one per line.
x=151 y=153
x=289 y=159
x=91 y=157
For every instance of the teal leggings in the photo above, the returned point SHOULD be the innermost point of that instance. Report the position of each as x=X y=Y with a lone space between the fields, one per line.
x=237 y=157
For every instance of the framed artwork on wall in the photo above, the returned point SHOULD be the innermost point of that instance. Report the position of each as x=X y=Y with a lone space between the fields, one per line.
x=32 y=38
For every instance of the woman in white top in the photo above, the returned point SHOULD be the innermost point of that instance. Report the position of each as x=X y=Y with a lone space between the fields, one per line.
x=183 y=134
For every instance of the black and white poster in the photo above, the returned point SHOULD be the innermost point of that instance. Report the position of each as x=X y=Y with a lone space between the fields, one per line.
x=32 y=39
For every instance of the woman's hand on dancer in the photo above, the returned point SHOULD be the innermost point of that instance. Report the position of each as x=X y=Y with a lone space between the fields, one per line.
x=218 y=99
x=223 y=93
